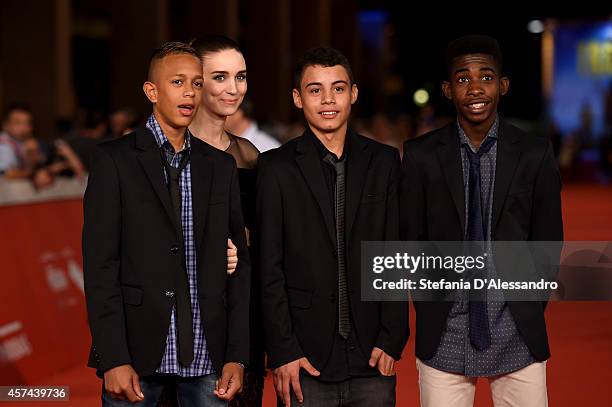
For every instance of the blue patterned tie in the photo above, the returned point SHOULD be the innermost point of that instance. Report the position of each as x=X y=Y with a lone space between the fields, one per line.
x=480 y=335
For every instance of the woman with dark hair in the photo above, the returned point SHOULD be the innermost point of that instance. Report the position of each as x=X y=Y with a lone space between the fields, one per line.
x=224 y=87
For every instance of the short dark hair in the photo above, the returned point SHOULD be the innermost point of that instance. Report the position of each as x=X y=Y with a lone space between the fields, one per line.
x=209 y=44
x=15 y=107
x=473 y=44
x=171 y=48
x=324 y=56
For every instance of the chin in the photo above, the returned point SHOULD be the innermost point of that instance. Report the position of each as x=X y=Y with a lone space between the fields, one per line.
x=333 y=126
x=181 y=122
x=328 y=128
x=221 y=111
x=479 y=118
x=328 y=124
x=228 y=111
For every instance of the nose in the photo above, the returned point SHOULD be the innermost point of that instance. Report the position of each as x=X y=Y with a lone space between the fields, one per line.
x=189 y=91
x=231 y=87
x=328 y=97
x=475 y=88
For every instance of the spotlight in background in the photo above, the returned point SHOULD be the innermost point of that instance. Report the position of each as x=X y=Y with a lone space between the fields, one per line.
x=535 y=26
x=421 y=97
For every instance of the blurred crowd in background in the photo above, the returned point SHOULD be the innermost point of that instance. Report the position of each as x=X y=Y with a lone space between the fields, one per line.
x=24 y=154
x=82 y=65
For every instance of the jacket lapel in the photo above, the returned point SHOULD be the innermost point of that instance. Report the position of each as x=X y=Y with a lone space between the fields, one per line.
x=151 y=161
x=357 y=167
x=309 y=163
x=508 y=154
x=202 y=173
x=449 y=157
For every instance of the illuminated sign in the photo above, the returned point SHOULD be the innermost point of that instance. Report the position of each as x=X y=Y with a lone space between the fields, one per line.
x=595 y=58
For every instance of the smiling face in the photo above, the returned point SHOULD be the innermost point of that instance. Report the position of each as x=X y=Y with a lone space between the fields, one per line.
x=474 y=87
x=225 y=82
x=325 y=96
x=174 y=89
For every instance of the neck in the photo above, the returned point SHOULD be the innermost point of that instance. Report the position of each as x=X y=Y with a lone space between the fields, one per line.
x=175 y=135
x=209 y=128
x=477 y=132
x=333 y=141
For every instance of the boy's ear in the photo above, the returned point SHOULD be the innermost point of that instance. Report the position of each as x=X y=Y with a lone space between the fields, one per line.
x=354 y=93
x=504 y=85
x=297 y=98
x=150 y=91
x=446 y=89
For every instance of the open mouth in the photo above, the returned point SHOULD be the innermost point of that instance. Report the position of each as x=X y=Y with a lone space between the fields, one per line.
x=329 y=114
x=186 y=109
x=477 y=106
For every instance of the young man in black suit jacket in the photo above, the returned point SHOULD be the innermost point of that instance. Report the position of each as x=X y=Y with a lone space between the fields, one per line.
x=518 y=200
x=318 y=197
x=158 y=211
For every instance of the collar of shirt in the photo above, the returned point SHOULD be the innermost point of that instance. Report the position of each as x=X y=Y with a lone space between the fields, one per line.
x=161 y=139
x=464 y=139
x=323 y=151
x=250 y=133
x=16 y=144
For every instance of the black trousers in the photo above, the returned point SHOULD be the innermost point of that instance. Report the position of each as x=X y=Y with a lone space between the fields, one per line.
x=376 y=391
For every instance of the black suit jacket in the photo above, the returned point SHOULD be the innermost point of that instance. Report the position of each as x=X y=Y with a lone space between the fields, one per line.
x=132 y=250
x=296 y=228
x=526 y=206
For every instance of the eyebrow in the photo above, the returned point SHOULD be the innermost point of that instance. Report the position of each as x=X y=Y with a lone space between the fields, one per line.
x=183 y=76
x=320 y=84
x=487 y=69
x=226 y=72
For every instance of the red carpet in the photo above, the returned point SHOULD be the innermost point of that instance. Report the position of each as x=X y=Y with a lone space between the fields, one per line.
x=579 y=372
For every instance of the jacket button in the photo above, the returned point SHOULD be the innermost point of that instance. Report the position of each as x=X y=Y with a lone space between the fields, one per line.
x=169 y=294
x=174 y=249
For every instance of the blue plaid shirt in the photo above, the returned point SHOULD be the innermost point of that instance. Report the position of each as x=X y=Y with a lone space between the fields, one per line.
x=202 y=364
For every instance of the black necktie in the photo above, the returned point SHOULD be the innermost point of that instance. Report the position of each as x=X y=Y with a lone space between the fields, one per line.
x=344 y=322
x=183 y=302
x=480 y=335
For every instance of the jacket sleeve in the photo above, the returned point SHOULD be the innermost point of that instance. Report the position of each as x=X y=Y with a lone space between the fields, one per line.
x=547 y=218
x=239 y=283
x=102 y=264
x=281 y=344
x=394 y=328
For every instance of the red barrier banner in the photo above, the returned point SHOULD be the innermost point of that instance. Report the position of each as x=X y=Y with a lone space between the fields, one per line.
x=43 y=319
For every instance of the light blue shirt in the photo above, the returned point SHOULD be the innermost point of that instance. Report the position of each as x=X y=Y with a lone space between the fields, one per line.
x=8 y=156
